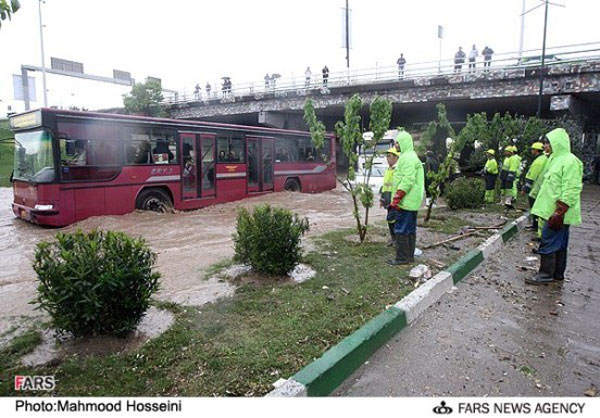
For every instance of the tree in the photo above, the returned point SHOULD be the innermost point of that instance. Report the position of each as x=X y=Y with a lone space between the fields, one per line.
x=6 y=9
x=448 y=166
x=350 y=133
x=145 y=98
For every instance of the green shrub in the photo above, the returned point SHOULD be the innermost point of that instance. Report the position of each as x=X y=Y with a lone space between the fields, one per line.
x=269 y=239
x=465 y=193
x=95 y=283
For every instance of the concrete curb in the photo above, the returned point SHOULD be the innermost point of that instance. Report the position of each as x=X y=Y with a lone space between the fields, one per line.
x=324 y=375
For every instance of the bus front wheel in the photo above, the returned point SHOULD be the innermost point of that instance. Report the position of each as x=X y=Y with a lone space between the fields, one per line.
x=155 y=200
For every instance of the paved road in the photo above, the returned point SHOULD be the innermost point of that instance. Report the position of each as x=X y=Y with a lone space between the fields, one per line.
x=494 y=335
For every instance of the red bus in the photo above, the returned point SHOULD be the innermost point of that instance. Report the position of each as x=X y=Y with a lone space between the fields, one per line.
x=71 y=165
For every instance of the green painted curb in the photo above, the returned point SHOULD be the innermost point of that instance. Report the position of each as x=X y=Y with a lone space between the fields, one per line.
x=509 y=232
x=465 y=265
x=323 y=376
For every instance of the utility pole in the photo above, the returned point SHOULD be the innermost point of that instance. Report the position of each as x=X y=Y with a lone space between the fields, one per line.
x=348 y=40
x=539 y=109
x=43 y=60
x=440 y=36
x=544 y=3
x=522 y=31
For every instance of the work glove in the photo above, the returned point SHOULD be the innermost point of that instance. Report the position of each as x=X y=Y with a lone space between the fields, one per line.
x=397 y=198
x=558 y=217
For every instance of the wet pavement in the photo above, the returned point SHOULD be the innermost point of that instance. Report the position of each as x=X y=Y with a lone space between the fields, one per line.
x=186 y=243
x=493 y=335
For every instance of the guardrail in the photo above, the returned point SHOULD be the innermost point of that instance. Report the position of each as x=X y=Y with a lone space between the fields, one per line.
x=501 y=62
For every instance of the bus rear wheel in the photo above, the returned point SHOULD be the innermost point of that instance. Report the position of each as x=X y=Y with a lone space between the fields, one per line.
x=292 y=185
x=155 y=200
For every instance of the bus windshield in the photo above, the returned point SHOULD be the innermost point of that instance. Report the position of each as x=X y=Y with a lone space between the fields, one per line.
x=33 y=157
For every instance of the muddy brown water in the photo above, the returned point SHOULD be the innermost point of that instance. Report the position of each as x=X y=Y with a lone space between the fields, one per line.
x=186 y=243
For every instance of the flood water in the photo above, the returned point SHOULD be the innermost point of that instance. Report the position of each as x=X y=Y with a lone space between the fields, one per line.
x=186 y=243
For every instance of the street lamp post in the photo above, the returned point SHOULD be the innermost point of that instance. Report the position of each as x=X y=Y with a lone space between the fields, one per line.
x=539 y=108
x=43 y=60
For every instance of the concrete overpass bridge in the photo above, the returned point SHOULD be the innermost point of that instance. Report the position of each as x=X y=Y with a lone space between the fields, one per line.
x=571 y=83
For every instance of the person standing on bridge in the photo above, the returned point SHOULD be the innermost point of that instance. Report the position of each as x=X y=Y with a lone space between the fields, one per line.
x=459 y=60
x=559 y=205
x=401 y=62
x=532 y=176
x=308 y=76
x=487 y=58
x=325 y=76
x=208 y=88
x=409 y=189
x=473 y=54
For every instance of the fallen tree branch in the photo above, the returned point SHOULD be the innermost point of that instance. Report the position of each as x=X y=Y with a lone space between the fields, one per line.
x=526 y=268
x=437 y=244
x=436 y=262
x=499 y=226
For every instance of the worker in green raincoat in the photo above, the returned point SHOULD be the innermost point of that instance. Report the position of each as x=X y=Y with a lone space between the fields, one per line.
x=517 y=164
x=559 y=205
x=508 y=175
x=490 y=171
x=409 y=190
x=533 y=174
x=387 y=189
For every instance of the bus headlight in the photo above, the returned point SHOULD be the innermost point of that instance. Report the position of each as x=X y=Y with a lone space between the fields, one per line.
x=43 y=207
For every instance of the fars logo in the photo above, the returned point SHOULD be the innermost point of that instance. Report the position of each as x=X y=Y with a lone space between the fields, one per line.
x=34 y=382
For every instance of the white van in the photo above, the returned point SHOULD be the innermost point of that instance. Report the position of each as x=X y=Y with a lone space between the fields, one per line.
x=379 y=161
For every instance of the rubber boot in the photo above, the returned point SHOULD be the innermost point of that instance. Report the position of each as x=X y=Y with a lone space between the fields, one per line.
x=402 y=249
x=546 y=272
x=534 y=223
x=392 y=240
x=412 y=241
x=561 y=265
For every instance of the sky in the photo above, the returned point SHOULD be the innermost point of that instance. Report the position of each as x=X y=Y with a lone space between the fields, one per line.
x=185 y=42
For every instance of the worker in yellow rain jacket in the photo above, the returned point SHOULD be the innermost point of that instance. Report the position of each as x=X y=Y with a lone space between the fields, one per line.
x=387 y=189
x=559 y=205
x=517 y=164
x=490 y=171
x=533 y=175
x=407 y=198
x=508 y=175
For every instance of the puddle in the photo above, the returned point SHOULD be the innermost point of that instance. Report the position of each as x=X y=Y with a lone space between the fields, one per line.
x=52 y=350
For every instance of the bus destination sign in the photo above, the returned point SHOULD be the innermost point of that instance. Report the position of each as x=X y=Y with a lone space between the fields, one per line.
x=26 y=120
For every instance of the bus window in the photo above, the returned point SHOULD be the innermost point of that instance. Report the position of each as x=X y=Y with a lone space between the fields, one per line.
x=230 y=148
x=88 y=151
x=150 y=146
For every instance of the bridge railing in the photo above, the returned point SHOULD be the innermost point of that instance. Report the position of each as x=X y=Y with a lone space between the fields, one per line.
x=500 y=65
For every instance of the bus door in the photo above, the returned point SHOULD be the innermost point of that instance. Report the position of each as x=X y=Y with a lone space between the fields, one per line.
x=198 y=166
x=260 y=157
x=207 y=166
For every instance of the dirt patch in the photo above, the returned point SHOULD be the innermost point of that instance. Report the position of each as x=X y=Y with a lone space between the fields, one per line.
x=204 y=291
x=53 y=349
